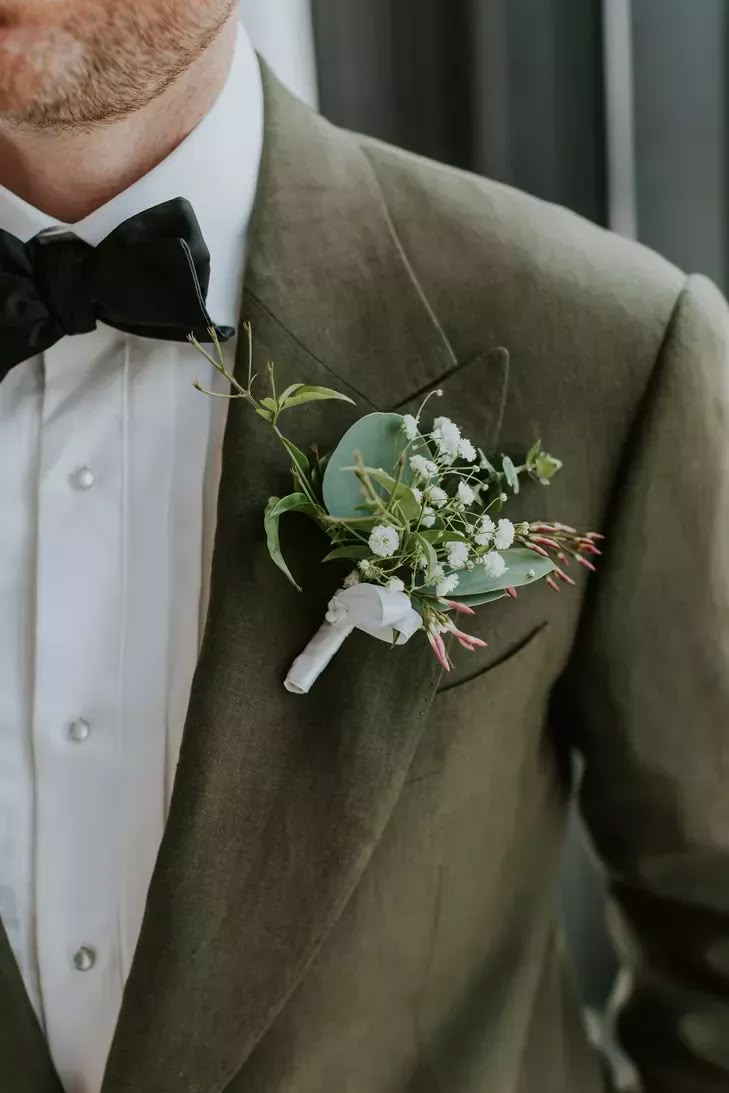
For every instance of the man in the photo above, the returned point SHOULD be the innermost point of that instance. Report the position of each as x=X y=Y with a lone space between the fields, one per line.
x=352 y=890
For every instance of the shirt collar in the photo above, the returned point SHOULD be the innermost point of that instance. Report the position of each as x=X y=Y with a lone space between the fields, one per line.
x=216 y=168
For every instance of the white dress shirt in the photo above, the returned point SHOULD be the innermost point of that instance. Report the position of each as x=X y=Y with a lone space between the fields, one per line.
x=109 y=470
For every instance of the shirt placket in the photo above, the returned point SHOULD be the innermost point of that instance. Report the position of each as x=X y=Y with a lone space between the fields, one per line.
x=77 y=724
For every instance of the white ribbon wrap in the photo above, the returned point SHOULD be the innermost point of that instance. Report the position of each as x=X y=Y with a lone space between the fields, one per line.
x=388 y=616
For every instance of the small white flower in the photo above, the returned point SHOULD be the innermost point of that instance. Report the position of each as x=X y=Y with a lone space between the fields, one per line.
x=351 y=579
x=504 y=536
x=457 y=554
x=465 y=493
x=447 y=585
x=410 y=426
x=428 y=518
x=447 y=436
x=486 y=531
x=422 y=467
x=436 y=496
x=466 y=450
x=366 y=568
x=395 y=585
x=494 y=564
x=417 y=494
x=437 y=573
x=504 y=497
x=383 y=541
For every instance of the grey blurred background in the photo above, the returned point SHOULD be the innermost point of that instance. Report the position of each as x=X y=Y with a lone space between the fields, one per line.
x=615 y=108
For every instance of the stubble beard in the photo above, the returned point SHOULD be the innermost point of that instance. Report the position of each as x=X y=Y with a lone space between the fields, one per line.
x=82 y=77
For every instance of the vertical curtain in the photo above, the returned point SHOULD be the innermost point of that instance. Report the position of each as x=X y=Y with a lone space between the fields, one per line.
x=508 y=88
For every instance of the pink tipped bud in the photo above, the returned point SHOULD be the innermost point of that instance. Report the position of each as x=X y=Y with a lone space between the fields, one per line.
x=511 y=592
x=563 y=558
x=552 y=584
x=538 y=550
x=584 y=562
x=467 y=640
x=594 y=535
x=462 y=608
x=590 y=548
x=563 y=577
x=438 y=648
x=545 y=541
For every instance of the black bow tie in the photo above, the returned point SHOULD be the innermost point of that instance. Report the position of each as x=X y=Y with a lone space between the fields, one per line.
x=149 y=277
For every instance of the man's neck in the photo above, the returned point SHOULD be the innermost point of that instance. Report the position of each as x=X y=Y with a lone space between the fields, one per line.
x=68 y=174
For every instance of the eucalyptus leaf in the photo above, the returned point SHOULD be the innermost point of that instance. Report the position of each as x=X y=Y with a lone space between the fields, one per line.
x=476 y=601
x=510 y=474
x=379 y=440
x=315 y=394
x=270 y=523
x=523 y=567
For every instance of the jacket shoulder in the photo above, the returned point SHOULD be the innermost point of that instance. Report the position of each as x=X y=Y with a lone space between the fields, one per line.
x=499 y=265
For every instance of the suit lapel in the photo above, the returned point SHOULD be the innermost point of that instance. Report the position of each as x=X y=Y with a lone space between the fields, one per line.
x=280 y=800
x=25 y=1064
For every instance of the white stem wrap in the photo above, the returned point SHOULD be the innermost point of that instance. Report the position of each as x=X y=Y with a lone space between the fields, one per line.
x=388 y=616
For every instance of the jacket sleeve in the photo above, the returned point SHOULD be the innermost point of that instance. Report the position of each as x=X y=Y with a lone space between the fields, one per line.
x=647 y=696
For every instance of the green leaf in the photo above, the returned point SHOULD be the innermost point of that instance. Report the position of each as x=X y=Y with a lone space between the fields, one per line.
x=265 y=414
x=430 y=555
x=269 y=403
x=355 y=552
x=315 y=394
x=293 y=502
x=297 y=456
x=282 y=399
x=510 y=474
x=379 y=440
x=445 y=535
x=404 y=496
x=545 y=467
x=533 y=452
x=523 y=567
x=270 y=523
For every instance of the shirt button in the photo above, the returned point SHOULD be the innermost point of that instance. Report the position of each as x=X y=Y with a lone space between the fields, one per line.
x=84 y=478
x=84 y=959
x=79 y=730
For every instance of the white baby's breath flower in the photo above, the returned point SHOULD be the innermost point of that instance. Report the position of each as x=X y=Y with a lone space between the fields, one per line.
x=428 y=518
x=436 y=496
x=383 y=541
x=504 y=535
x=447 y=585
x=422 y=467
x=417 y=494
x=395 y=585
x=366 y=568
x=447 y=436
x=351 y=579
x=466 y=450
x=485 y=531
x=410 y=426
x=437 y=573
x=465 y=493
x=494 y=564
x=457 y=554
x=504 y=497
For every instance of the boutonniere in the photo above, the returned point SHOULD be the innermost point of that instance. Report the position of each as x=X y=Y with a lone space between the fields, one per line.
x=414 y=510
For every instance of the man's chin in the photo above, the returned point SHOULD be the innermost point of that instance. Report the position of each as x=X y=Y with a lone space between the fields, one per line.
x=36 y=67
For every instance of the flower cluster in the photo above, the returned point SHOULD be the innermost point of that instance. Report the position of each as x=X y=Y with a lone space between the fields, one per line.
x=428 y=526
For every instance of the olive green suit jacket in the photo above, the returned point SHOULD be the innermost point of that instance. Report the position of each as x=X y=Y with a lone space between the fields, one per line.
x=355 y=891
